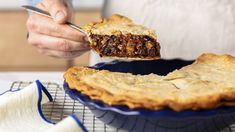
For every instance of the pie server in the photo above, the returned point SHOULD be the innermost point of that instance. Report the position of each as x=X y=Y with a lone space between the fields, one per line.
x=45 y=13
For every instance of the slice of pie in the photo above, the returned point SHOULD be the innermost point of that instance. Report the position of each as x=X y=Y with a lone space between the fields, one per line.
x=119 y=37
x=207 y=83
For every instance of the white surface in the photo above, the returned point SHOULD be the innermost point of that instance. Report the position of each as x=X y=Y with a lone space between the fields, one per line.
x=6 y=78
x=83 y=4
x=66 y=125
x=80 y=4
x=20 y=113
x=19 y=109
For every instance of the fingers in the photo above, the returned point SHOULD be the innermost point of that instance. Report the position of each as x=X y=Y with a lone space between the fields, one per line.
x=58 y=9
x=52 y=43
x=61 y=54
x=52 y=37
x=44 y=25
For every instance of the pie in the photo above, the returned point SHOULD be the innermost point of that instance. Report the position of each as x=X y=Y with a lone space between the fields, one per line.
x=119 y=37
x=206 y=84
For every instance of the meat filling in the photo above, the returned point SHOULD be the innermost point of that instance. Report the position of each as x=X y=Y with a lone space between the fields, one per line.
x=129 y=45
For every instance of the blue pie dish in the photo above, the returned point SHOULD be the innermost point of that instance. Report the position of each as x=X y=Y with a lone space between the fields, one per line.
x=139 y=120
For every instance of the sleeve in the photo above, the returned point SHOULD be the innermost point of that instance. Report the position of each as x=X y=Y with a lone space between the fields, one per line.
x=33 y=2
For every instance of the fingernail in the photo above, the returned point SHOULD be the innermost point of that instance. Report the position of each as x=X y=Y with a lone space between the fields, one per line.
x=59 y=16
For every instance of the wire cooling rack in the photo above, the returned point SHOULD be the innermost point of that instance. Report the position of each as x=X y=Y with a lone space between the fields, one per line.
x=62 y=106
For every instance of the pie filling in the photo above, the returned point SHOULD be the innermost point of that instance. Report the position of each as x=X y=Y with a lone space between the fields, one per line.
x=129 y=45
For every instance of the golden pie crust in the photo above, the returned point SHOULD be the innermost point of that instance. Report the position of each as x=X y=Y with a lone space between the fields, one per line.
x=117 y=24
x=206 y=84
x=119 y=37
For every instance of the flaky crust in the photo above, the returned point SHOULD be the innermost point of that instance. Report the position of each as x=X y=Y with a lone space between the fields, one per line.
x=207 y=83
x=116 y=25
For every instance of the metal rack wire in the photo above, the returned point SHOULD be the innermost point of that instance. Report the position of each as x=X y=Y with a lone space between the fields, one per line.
x=62 y=106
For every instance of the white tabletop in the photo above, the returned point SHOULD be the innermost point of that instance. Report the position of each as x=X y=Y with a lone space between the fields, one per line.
x=7 y=78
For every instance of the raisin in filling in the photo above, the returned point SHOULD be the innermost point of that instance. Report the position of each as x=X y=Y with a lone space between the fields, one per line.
x=129 y=45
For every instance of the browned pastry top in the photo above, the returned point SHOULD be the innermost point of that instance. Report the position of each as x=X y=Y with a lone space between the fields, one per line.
x=207 y=83
x=118 y=24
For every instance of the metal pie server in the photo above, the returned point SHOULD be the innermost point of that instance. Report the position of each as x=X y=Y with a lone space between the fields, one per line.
x=45 y=13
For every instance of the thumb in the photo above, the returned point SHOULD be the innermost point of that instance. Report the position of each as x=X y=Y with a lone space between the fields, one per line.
x=58 y=9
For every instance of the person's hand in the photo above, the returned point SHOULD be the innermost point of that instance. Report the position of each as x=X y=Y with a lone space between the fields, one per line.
x=51 y=36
